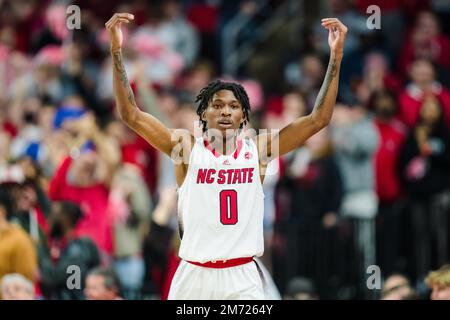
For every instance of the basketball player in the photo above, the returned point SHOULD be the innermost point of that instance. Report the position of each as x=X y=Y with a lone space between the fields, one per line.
x=220 y=194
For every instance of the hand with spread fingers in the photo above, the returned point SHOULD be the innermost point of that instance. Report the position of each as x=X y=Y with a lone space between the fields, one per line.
x=114 y=28
x=336 y=34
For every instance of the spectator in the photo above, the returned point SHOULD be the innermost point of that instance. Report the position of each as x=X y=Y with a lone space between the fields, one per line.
x=425 y=41
x=32 y=201
x=66 y=249
x=292 y=106
x=356 y=140
x=195 y=78
x=157 y=40
x=161 y=245
x=54 y=30
x=130 y=208
x=439 y=282
x=15 y=286
x=397 y=287
x=17 y=251
x=79 y=75
x=424 y=83
x=426 y=154
x=102 y=284
x=300 y=288
x=45 y=80
x=308 y=197
x=187 y=42
x=425 y=171
x=206 y=16
x=392 y=134
x=390 y=226
x=376 y=76
x=84 y=177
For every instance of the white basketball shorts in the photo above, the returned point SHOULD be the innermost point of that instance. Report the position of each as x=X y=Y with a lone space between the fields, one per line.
x=192 y=282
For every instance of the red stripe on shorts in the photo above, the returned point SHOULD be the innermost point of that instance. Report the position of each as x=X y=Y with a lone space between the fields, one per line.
x=223 y=263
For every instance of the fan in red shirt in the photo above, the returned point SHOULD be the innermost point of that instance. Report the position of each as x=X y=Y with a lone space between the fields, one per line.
x=390 y=218
x=425 y=41
x=423 y=83
x=84 y=178
x=392 y=136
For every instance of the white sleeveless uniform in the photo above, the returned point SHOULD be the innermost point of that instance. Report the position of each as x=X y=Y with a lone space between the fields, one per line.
x=221 y=211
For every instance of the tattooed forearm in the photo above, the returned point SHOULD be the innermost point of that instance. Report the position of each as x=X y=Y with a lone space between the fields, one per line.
x=118 y=65
x=332 y=71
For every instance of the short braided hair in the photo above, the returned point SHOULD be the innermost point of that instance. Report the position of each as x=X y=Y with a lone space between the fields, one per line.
x=206 y=94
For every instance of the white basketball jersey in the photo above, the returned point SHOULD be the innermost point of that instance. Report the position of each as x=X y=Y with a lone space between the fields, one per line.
x=221 y=204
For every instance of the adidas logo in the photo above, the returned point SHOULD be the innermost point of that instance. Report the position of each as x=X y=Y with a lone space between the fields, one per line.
x=226 y=162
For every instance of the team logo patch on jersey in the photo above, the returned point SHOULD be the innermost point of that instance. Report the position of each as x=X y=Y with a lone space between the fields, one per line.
x=248 y=155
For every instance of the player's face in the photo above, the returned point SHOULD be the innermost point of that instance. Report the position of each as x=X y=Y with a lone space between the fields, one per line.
x=224 y=112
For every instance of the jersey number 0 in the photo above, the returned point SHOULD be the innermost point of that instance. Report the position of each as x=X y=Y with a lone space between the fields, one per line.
x=228 y=207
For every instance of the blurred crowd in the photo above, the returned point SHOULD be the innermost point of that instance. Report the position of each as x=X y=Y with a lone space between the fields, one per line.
x=88 y=208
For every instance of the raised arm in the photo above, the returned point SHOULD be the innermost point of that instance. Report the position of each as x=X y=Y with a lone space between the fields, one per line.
x=144 y=124
x=297 y=132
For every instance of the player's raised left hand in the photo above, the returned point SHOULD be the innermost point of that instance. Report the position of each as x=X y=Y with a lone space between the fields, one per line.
x=114 y=29
x=336 y=34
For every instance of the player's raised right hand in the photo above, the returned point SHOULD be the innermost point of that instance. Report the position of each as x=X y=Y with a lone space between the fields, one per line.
x=114 y=29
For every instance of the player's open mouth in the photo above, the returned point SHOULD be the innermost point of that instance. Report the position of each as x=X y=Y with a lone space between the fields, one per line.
x=226 y=123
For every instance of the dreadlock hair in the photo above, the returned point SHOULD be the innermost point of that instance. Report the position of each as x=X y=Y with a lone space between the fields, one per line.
x=206 y=94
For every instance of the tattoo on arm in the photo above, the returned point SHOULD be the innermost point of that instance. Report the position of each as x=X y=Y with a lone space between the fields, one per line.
x=329 y=76
x=117 y=60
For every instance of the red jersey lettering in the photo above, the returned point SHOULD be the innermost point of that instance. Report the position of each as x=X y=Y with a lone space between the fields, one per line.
x=237 y=176
x=221 y=177
x=250 y=175
x=210 y=176
x=201 y=174
x=230 y=174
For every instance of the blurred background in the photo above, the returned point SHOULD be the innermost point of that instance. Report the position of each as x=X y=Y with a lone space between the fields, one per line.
x=78 y=188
